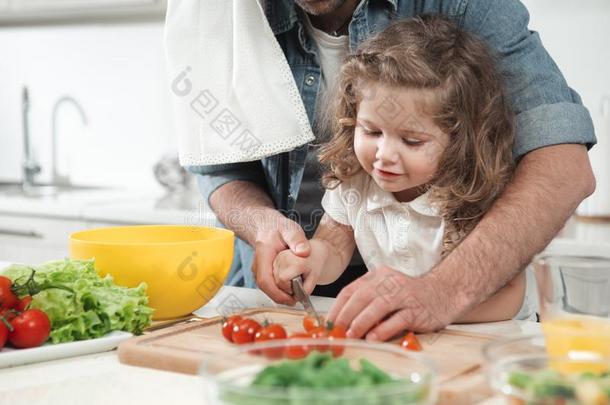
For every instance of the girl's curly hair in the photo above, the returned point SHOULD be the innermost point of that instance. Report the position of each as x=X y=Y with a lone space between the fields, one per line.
x=471 y=106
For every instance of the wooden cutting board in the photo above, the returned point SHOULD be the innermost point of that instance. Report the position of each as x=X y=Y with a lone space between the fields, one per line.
x=182 y=348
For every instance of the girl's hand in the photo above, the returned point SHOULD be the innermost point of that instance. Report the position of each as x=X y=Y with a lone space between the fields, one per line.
x=287 y=266
x=277 y=234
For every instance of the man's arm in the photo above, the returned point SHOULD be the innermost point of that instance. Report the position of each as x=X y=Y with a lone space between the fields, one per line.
x=244 y=207
x=502 y=306
x=549 y=184
x=238 y=196
x=554 y=174
x=249 y=188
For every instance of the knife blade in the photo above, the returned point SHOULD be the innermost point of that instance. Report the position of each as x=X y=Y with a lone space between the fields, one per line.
x=300 y=295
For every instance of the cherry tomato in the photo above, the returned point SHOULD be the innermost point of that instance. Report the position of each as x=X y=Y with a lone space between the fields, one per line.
x=3 y=332
x=8 y=314
x=24 y=303
x=227 y=326
x=244 y=331
x=272 y=331
x=310 y=323
x=269 y=332
x=319 y=333
x=8 y=299
x=336 y=332
x=298 y=351
x=30 y=329
x=410 y=342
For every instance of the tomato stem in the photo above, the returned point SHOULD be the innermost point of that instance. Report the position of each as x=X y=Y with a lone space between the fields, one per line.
x=31 y=287
x=6 y=322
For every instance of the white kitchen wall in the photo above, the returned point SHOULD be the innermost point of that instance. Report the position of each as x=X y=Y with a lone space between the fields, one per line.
x=577 y=35
x=116 y=71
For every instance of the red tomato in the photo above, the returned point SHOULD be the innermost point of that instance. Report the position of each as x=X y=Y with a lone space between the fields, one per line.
x=8 y=299
x=3 y=333
x=310 y=323
x=24 y=303
x=410 y=342
x=272 y=331
x=8 y=314
x=244 y=331
x=336 y=332
x=298 y=351
x=30 y=329
x=319 y=333
x=227 y=326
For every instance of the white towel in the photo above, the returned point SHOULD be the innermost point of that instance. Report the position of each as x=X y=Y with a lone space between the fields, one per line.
x=234 y=96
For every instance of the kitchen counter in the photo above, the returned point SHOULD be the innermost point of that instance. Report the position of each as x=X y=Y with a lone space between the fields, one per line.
x=64 y=205
x=181 y=208
x=102 y=379
x=114 y=206
x=35 y=230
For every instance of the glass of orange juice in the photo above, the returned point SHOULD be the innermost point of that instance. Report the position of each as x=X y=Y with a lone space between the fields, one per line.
x=574 y=293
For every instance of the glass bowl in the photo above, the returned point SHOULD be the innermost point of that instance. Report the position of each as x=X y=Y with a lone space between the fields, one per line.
x=228 y=377
x=570 y=286
x=521 y=369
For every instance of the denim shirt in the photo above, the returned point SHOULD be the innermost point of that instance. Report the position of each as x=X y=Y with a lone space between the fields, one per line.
x=548 y=112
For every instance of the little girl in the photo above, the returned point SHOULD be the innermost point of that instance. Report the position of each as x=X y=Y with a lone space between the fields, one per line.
x=421 y=148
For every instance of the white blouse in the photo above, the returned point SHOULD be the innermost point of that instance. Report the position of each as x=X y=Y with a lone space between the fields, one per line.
x=406 y=236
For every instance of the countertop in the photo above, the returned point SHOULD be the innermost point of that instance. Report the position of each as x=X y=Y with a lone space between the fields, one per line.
x=123 y=206
x=102 y=379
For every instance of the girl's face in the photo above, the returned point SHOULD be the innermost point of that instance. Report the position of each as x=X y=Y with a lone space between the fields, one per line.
x=395 y=141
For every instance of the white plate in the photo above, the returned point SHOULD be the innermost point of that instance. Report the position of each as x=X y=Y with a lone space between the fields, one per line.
x=10 y=357
x=16 y=357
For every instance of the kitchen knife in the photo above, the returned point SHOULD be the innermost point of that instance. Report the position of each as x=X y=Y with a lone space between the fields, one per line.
x=300 y=295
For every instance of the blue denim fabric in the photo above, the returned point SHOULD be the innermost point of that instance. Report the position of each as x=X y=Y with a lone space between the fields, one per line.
x=547 y=111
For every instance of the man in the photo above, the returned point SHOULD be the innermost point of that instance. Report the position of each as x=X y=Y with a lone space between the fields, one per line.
x=553 y=132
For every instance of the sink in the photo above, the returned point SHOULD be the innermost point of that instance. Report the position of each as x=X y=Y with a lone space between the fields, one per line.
x=9 y=189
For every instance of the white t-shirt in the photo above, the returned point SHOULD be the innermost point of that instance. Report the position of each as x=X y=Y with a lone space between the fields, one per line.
x=406 y=236
x=331 y=51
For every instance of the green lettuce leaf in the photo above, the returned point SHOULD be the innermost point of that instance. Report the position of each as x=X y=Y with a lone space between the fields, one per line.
x=95 y=307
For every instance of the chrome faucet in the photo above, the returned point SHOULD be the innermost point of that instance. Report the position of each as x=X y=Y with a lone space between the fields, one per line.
x=57 y=178
x=29 y=166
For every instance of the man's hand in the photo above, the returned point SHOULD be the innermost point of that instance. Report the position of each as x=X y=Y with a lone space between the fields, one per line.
x=277 y=235
x=247 y=210
x=387 y=295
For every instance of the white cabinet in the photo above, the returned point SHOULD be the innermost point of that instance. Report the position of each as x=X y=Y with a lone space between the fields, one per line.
x=81 y=5
x=17 y=11
x=32 y=240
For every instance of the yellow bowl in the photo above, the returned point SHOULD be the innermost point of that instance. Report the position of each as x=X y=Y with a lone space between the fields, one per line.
x=183 y=266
